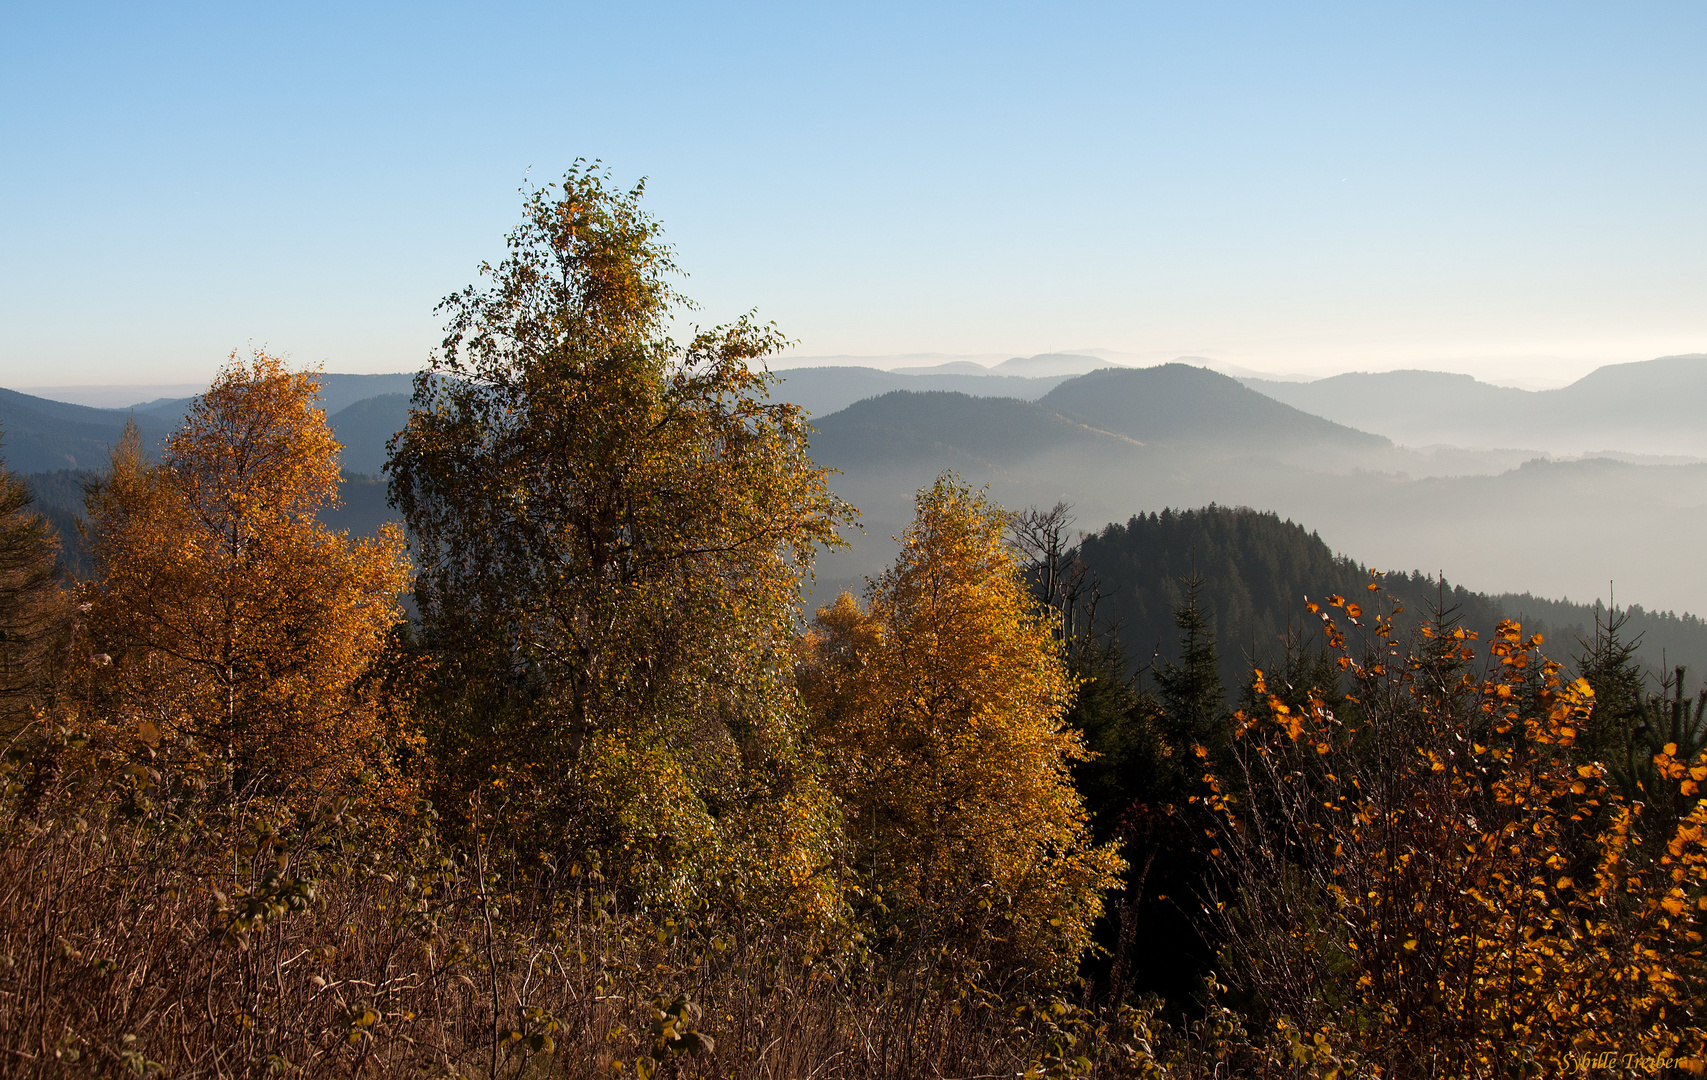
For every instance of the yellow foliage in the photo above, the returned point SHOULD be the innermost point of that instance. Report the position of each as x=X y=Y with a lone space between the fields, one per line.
x=221 y=610
x=1486 y=903
x=939 y=712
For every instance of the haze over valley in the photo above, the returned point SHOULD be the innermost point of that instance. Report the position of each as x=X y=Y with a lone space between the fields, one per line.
x=1599 y=486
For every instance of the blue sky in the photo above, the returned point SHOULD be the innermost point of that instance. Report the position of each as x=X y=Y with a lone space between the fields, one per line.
x=1516 y=189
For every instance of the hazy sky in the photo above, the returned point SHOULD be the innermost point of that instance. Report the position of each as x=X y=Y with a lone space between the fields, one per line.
x=1517 y=189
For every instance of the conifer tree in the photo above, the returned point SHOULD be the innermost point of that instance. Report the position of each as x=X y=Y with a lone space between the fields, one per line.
x=1614 y=733
x=1192 y=693
x=1110 y=708
x=32 y=603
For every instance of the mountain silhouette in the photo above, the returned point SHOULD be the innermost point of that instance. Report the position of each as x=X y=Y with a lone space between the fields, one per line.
x=1045 y=364
x=825 y=390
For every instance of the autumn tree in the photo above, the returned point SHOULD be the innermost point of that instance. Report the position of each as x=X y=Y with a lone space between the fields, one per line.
x=612 y=527
x=939 y=707
x=222 y=613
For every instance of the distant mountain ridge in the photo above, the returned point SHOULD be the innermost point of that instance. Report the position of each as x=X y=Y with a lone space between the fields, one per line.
x=337 y=393
x=1107 y=415
x=1043 y=365
x=1124 y=439
x=1643 y=408
x=1051 y=364
x=1649 y=407
x=826 y=390
x=42 y=435
x=963 y=431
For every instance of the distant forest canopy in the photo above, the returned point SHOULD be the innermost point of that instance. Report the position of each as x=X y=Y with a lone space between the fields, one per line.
x=1257 y=570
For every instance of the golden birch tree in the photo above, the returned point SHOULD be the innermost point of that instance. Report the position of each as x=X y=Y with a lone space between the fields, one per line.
x=1425 y=866
x=939 y=709
x=612 y=528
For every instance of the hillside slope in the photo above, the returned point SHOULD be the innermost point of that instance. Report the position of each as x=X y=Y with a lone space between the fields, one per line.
x=337 y=393
x=954 y=429
x=825 y=390
x=58 y=497
x=1181 y=404
x=364 y=428
x=41 y=435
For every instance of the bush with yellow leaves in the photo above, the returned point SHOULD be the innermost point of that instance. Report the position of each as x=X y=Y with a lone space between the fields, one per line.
x=1424 y=863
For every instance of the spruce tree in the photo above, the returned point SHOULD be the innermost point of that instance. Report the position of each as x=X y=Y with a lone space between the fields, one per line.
x=1193 y=696
x=1610 y=665
x=32 y=603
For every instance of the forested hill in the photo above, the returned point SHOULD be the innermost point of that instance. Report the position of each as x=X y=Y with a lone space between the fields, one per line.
x=957 y=431
x=1256 y=571
x=42 y=435
x=1181 y=404
x=58 y=496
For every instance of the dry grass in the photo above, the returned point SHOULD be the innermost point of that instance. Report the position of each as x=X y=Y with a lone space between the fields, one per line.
x=144 y=931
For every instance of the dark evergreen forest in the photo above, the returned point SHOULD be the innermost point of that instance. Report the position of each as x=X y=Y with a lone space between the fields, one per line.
x=1257 y=572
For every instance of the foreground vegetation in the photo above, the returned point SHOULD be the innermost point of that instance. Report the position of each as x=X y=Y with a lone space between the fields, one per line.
x=608 y=803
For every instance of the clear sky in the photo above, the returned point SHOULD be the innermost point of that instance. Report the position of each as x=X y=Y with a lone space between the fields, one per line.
x=1516 y=189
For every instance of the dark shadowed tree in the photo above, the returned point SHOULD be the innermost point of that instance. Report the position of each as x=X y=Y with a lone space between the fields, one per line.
x=1194 y=699
x=32 y=603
